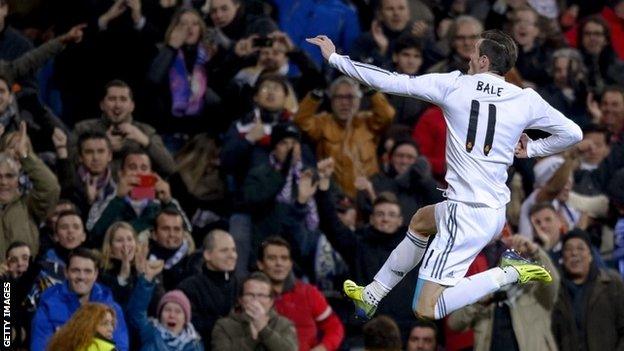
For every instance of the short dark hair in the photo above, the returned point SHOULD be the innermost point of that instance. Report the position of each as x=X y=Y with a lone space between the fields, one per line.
x=258 y=276
x=613 y=89
x=272 y=240
x=500 y=49
x=596 y=19
x=14 y=245
x=541 y=206
x=132 y=149
x=271 y=77
x=168 y=211
x=425 y=323
x=386 y=197
x=85 y=253
x=117 y=83
x=407 y=42
x=67 y=213
x=382 y=333
x=91 y=135
x=598 y=129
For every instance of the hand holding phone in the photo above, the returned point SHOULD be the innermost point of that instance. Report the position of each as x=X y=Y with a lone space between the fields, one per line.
x=145 y=189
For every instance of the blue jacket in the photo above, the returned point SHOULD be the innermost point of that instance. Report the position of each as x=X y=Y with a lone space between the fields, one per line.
x=137 y=317
x=58 y=304
x=303 y=19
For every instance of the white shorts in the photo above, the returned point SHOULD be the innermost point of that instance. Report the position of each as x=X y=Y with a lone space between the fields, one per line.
x=463 y=230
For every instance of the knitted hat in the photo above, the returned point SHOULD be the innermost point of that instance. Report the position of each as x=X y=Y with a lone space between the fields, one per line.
x=176 y=296
x=284 y=130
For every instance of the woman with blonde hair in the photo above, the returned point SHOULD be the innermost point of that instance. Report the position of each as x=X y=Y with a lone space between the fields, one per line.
x=122 y=254
x=89 y=329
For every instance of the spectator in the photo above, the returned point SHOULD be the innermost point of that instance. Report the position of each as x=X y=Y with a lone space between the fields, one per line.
x=69 y=234
x=603 y=66
x=173 y=329
x=18 y=270
x=590 y=160
x=182 y=76
x=532 y=55
x=589 y=313
x=248 y=141
x=234 y=23
x=23 y=211
x=300 y=302
x=408 y=178
x=25 y=107
x=347 y=134
x=273 y=190
x=47 y=228
x=89 y=328
x=553 y=182
x=117 y=122
x=138 y=209
x=122 y=255
x=610 y=112
x=423 y=337
x=392 y=21
x=462 y=36
x=59 y=303
x=12 y=43
x=567 y=92
x=407 y=58
x=280 y=56
x=199 y=184
x=255 y=325
x=303 y=19
x=90 y=186
x=171 y=243
x=212 y=293
x=517 y=318
x=366 y=249
x=381 y=334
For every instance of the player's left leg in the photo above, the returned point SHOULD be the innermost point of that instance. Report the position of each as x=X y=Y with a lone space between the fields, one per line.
x=464 y=231
x=401 y=261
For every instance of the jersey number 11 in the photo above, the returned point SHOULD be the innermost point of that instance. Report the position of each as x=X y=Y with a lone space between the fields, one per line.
x=472 y=127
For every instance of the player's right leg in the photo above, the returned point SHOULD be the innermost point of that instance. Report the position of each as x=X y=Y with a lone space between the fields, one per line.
x=401 y=261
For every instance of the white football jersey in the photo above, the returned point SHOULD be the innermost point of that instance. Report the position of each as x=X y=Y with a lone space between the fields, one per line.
x=485 y=117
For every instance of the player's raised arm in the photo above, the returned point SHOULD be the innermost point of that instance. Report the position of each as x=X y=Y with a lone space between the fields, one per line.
x=428 y=87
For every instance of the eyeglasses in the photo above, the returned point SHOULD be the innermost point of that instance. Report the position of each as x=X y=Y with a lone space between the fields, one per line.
x=594 y=33
x=256 y=296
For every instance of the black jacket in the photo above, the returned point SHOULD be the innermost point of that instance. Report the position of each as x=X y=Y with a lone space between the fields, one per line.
x=212 y=295
x=365 y=250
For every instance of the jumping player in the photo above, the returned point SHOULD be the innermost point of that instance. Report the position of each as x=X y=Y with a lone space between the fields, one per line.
x=485 y=119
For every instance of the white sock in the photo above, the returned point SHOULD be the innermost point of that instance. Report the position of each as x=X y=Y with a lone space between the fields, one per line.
x=471 y=289
x=401 y=261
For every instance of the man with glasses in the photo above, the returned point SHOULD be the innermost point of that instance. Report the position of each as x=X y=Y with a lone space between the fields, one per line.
x=462 y=36
x=347 y=134
x=256 y=325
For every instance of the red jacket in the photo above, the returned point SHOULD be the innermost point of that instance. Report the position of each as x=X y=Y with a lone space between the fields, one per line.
x=307 y=308
x=430 y=136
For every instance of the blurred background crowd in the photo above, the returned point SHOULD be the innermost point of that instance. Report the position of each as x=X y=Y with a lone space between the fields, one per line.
x=190 y=174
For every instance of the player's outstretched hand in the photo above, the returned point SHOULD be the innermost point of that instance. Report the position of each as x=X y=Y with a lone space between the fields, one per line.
x=323 y=42
x=521 y=147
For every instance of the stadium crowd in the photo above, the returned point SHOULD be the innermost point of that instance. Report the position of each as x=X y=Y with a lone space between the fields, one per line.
x=191 y=175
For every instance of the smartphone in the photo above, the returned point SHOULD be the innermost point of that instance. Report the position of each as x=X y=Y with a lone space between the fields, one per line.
x=145 y=189
x=262 y=42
